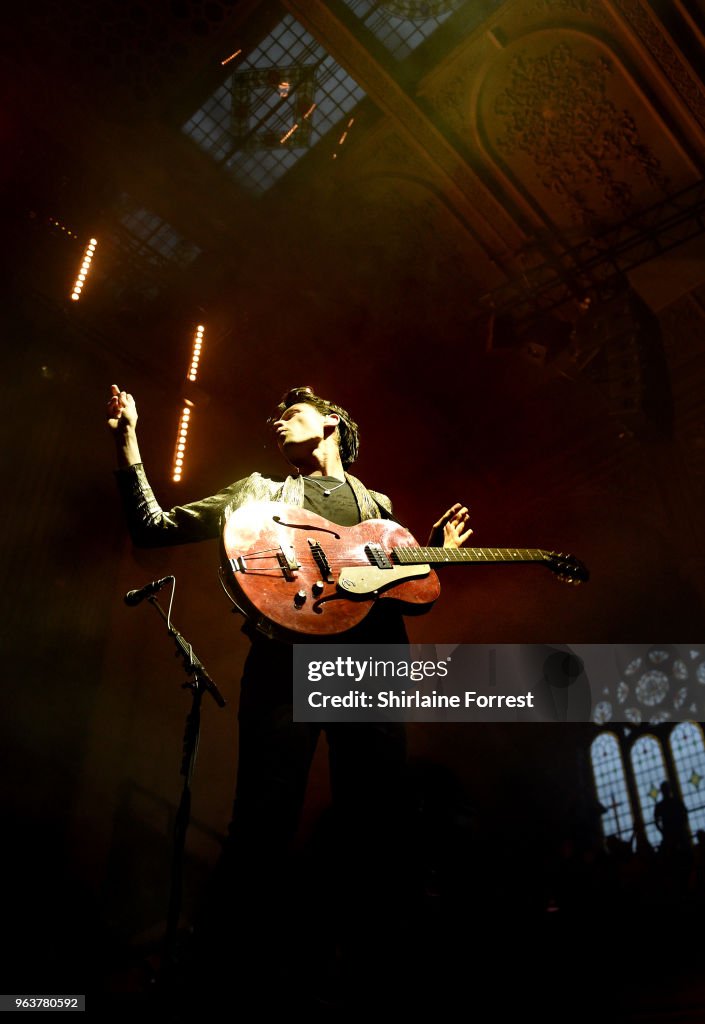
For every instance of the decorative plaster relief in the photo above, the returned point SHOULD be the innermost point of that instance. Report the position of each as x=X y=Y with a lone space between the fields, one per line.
x=565 y=122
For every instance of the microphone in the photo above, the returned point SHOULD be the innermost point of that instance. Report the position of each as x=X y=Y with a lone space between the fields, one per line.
x=133 y=597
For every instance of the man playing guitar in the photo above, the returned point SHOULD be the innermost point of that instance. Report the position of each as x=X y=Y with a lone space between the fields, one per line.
x=320 y=440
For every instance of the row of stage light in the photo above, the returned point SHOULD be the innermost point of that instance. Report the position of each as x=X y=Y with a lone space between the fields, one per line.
x=187 y=408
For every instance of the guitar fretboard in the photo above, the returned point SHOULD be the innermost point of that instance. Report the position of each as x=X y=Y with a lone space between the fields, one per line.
x=445 y=556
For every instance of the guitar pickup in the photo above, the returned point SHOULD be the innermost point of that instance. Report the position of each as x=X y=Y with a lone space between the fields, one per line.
x=378 y=556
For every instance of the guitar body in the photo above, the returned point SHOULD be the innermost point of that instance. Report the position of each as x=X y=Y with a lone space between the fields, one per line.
x=296 y=575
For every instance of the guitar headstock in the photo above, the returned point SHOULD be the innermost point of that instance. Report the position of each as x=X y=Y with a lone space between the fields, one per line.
x=566 y=567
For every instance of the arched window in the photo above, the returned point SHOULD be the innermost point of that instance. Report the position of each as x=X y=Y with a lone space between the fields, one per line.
x=611 y=786
x=649 y=770
x=688 y=751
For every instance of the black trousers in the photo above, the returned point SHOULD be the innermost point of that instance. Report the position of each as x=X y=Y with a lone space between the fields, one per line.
x=271 y=914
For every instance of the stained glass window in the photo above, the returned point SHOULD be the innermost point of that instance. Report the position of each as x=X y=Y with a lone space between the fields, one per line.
x=649 y=770
x=688 y=750
x=274 y=106
x=611 y=786
x=661 y=684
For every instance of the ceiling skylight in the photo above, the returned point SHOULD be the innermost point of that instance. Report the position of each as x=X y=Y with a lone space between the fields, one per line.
x=273 y=107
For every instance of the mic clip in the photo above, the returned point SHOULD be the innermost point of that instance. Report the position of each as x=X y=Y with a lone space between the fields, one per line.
x=134 y=597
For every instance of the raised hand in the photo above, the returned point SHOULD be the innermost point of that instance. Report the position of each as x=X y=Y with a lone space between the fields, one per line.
x=122 y=411
x=122 y=421
x=451 y=530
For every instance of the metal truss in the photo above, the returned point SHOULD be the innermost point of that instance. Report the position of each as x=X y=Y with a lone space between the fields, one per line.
x=595 y=266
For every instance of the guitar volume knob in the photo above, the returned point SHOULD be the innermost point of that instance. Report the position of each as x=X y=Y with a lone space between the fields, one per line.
x=317 y=588
x=299 y=598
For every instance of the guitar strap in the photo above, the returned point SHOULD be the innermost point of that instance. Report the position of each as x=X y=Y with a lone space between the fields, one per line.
x=378 y=505
x=370 y=503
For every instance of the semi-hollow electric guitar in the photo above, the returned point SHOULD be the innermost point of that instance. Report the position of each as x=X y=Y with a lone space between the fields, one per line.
x=295 y=574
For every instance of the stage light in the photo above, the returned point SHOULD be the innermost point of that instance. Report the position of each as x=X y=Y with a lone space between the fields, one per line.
x=197 y=347
x=231 y=57
x=289 y=134
x=184 y=419
x=180 y=447
x=83 y=270
x=344 y=136
x=57 y=224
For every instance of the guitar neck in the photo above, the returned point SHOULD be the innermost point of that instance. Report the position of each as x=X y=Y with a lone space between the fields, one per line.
x=457 y=556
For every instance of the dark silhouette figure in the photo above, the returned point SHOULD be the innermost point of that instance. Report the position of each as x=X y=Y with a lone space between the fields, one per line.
x=675 y=852
x=671 y=819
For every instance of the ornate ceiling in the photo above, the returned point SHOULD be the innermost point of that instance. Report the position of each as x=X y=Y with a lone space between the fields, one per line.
x=515 y=131
x=506 y=161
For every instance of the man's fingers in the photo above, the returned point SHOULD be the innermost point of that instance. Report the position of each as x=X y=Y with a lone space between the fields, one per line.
x=452 y=524
x=461 y=517
x=447 y=516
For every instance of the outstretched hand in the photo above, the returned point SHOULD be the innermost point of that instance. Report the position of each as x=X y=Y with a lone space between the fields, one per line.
x=451 y=530
x=122 y=411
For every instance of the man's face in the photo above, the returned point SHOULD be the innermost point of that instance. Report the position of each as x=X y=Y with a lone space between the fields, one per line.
x=301 y=428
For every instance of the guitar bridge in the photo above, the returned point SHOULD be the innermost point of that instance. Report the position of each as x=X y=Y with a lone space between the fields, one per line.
x=285 y=556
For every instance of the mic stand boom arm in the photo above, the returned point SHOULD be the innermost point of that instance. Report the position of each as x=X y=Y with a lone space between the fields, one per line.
x=193 y=665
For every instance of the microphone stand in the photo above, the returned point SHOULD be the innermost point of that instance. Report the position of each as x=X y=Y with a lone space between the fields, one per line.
x=199 y=682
